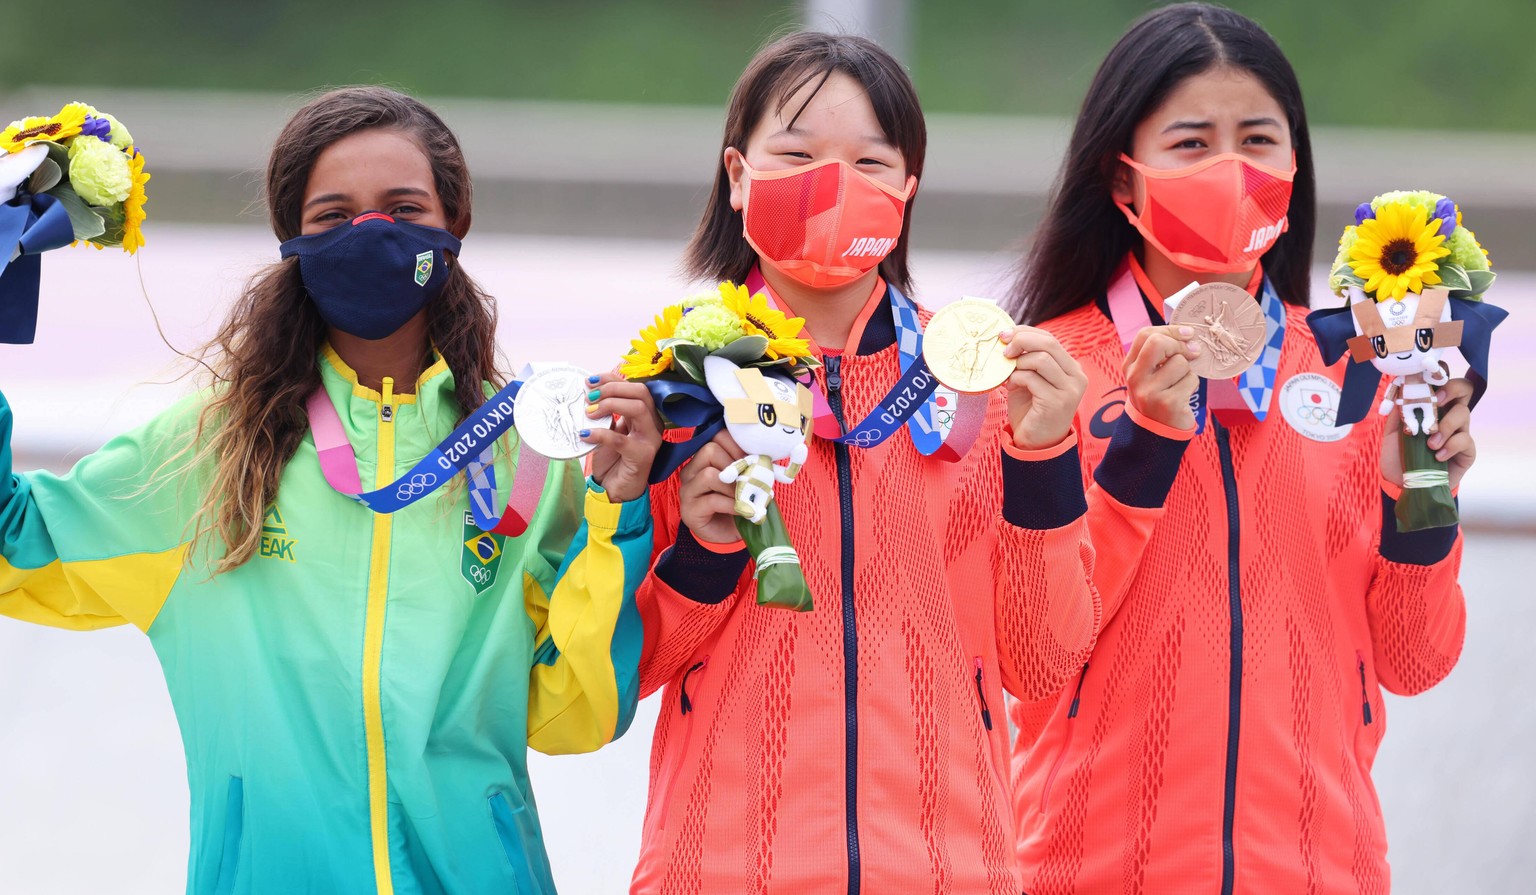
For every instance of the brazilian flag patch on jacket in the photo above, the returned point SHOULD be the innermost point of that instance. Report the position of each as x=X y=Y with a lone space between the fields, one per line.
x=481 y=557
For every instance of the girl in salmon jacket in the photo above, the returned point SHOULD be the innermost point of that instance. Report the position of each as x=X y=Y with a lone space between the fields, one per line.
x=1257 y=593
x=859 y=746
x=357 y=691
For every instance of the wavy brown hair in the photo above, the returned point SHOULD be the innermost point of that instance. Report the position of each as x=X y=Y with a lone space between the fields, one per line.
x=263 y=362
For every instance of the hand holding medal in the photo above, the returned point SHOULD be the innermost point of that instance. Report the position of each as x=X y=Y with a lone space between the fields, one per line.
x=973 y=346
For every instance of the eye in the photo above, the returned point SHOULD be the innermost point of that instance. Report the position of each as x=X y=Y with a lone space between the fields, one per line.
x=767 y=415
x=1424 y=337
x=1379 y=345
x=405 y=210
x=1191 y=143
x=1261 y=139
x=803 y=422
x=873 y=161
x=796 y=153
x=328 y=216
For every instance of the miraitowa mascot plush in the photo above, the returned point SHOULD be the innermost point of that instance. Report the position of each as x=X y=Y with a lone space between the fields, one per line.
x=1414 y=279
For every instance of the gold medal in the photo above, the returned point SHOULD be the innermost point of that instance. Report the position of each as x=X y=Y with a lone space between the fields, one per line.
x=1227 y=322
x=962 y=348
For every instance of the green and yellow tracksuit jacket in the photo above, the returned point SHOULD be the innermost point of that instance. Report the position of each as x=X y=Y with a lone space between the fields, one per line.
x=357 y=700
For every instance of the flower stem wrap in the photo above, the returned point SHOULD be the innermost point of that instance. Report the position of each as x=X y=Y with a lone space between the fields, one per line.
x=780 y=580
x=1426 y=501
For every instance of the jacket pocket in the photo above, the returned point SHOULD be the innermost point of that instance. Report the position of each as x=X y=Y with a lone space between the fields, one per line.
x=1066 y=740
x=520 y=838
x=994 y=758
x=667 y=784
x=234 y=831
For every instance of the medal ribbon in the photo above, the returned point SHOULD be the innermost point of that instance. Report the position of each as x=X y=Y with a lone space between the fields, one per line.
x=469 y=448
x=1237 y=401
x=940 y=421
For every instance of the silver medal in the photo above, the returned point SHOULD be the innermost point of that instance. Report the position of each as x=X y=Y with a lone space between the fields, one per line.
x=551 y=411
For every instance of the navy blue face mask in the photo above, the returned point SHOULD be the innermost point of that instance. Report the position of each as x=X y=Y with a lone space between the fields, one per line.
x=370 y=276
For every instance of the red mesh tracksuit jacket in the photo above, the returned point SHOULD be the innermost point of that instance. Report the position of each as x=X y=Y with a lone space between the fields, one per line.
x=1221 y=736
x=862 y=746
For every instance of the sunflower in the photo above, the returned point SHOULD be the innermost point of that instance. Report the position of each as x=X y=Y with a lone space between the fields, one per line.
x=761 y=319
x=21 y=134
x=133 y=208
x=1395 y=252
x=645 y=358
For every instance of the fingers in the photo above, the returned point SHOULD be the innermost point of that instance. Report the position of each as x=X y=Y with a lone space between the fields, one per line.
x=1455 y=392
x=1027 y=339
x=1458 y=445
x=733 y=450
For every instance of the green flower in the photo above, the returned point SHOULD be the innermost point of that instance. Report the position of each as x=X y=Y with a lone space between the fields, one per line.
x=1413 y=198
x=710 y=326
x=99 y=173
x=702 y=299
x=1465 y=252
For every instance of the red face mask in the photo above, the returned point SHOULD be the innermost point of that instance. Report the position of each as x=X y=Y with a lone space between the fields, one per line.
x=1216 y=216
x=824 y=224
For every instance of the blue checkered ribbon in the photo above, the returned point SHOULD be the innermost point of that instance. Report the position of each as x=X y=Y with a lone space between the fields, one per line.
x=928 y=426
x=1257 y=383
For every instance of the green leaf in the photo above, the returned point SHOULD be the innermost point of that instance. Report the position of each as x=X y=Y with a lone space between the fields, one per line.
x=1454 y=278
x=59 y=155
x=46 y=177
x=86 y=223
x=744 y=350
x=690 y=359
x=1481 y=280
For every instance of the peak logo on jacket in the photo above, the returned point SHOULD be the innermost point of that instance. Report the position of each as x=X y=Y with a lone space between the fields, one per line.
x=275 y=542
x=481 y=557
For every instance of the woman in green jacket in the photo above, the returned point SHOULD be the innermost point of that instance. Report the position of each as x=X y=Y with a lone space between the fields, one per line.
x=356 y=690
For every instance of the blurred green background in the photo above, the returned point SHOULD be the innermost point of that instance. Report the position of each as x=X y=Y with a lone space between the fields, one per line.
x=1421 y=64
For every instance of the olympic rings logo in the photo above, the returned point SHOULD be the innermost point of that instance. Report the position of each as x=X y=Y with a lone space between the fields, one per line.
x=418 y=483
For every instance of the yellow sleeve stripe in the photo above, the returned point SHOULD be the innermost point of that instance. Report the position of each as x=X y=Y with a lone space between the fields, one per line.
x=85 y=595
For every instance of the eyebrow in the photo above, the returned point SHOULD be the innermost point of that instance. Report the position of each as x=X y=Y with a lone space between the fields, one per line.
x=1206 y=125
x=342 y=197
x=877 y=139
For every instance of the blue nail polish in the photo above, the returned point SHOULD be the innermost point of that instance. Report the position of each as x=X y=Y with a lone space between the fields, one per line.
x=593 y=379
x=594 y=395
x=585 y=432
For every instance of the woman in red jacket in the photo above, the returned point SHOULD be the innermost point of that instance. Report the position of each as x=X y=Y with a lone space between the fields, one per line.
x=858 y=746
x=1257 y=594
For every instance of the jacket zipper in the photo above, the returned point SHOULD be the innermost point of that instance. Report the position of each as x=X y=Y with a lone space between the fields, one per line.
x=981 y=696
x=834 y=364
x=1066 y=740
x=685 y=707
x=373 y=650
x=1365 y=697
x=1235 y=671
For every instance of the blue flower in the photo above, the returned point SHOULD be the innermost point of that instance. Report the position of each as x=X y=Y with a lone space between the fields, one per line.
x=1445 y=210
x=1363 y=213
x=98 y=128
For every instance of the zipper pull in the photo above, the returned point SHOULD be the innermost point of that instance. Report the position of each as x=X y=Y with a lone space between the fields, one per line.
x=1365 y=699
x=834 y=366
x=387 y=409
x=986 y=712
x=683 y=701
x=1077 y=695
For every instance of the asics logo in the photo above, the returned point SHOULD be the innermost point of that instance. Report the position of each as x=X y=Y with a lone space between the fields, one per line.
x=869 y=247
x=1103 y=425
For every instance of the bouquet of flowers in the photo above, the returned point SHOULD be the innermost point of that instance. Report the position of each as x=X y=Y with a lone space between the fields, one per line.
x=729 y=360
x=72 y=177
x=1414 y=278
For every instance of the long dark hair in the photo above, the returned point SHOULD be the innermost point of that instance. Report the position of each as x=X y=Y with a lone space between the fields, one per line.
x=718 y=250
x=263 y=359
x=1084 y=237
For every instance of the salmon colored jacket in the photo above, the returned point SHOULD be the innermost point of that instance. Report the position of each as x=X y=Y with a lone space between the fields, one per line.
x=861 y=746
x=1221 y=736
